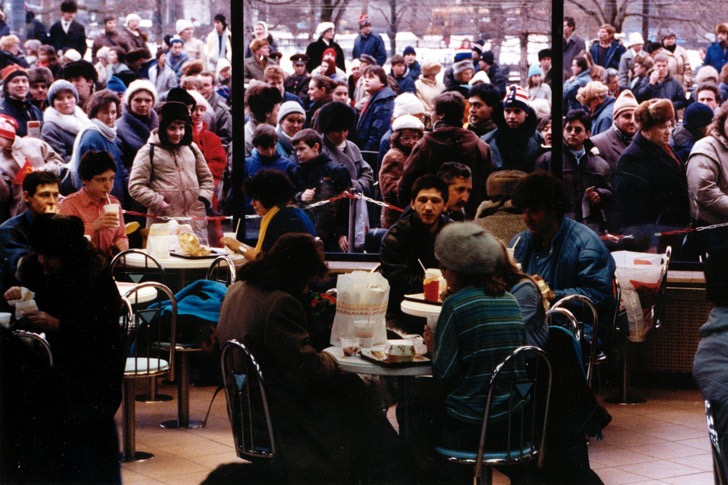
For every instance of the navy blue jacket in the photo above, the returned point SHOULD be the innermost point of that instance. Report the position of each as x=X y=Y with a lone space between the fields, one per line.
x=670 y=89
x=405 y=82
x=716 y=56
x=373 y=45
x=22 y=111
x=614 y=54
x=376 y=119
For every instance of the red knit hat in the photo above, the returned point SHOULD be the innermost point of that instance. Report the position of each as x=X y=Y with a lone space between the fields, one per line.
x=8 y=125
x=12 y=71
x=330 y=51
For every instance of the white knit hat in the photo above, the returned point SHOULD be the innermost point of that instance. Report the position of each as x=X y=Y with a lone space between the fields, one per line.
x=323 y=27
x=200 y=99
x=140 y=85
x=72 y=55
x=290 y=107
x=130 y=17
x=407 y=104
x=183 y=24
x=405 y=122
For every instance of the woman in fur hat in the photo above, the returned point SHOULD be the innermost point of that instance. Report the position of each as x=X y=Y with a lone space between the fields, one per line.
x=650 y=185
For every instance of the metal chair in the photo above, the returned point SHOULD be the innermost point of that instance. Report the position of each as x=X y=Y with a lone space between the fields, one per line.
x=36 y=341
x=525 y=377
x=719 y=473
x=584 y=300
x=222 y=270
x=247 y=403
x=149 y=356
x=151 y=270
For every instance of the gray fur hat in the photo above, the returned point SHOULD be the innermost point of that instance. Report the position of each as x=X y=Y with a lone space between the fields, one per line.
x=467 y=248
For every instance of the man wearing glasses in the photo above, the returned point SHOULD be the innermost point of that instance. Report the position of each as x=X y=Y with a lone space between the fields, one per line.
x=584 y=172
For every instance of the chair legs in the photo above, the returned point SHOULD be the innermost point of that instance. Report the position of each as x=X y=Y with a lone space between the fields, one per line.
x=625 y=395
x=183 y=396
x=129 y=425
x=152 y=396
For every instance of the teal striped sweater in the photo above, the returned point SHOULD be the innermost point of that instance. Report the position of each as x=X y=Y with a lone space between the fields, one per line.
x=474 y=334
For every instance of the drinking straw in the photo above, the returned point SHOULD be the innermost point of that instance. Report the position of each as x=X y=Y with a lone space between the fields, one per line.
x=108 y=199
x=515 y=244
x=423 y=266
x=238 y=226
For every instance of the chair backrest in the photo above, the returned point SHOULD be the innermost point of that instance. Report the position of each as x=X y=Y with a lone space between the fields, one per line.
x=146 y=335
x=146 y=267
x=525 y=378
x=222 y=270
x=39 y=344
x=719 y=472
x=585 y=301
x=658 y=309
x=247 y=403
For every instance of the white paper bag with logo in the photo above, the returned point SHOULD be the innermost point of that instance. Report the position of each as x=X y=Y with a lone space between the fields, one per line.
x=360 y=296
x=639 y=279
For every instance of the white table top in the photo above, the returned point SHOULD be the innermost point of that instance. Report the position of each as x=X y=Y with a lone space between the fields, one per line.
x=358 y=365
x=144 y=295
x=340 y=267
x=174 y=262
x=420 y=309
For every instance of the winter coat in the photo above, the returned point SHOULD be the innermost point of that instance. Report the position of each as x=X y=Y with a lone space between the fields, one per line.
x=92 y=139
x=707 y=175
x=683 y=139
x=133 y=132
x=426 y=90
x=626 y=63
x=614 y=53
x=329 y=179
x=361 y=173
x=163 y=81
x=679 y=65
x=212 y=48
x=7 y=58
x=137 y=39
x=514 y=148
x=195 y=49
x=60 y=131
x=22 y=112
x=252 y=69
x=171 y=181
x=221 y=119
x=371 y=44
x=602 y=118
x=592 y=171
x=650 y=187
x=670 y=89
x=572 y=48
x=405 y=83
x=32 y=151
x=415 y=70
x=211 y=147
x=376 y=119
x=62 y=41
x=407 y=243
x=255 y=163
x=445 y=144
x=315 y=52
x=176 y=62
x=611 y=144
x=716 y=56
x=114 y=39
x=571 y=89
x=577 y=261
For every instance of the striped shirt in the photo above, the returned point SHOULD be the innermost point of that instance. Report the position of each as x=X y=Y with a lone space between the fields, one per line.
x=475 y=332
x=79 y=204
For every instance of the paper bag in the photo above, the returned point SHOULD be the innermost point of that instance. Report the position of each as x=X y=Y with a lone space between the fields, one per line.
x=639 y=277
x=360 y=295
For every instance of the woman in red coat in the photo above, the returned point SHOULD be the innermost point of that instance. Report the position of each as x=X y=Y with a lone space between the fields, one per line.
x=211 y=148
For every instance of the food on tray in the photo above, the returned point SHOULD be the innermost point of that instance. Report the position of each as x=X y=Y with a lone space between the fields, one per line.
x=399 y=350
x=190 y=245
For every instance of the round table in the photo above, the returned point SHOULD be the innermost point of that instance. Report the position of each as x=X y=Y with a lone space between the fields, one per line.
x=185 y=269
x=358 y=365
x=144 y=295
x=430 y=311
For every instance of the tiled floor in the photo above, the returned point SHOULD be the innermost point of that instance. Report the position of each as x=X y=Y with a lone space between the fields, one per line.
x=661 y=441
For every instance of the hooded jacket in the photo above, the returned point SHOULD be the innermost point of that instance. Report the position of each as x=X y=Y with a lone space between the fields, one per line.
x=707 y=175
x=514 y=148
x=171 y=181
x=445 y=144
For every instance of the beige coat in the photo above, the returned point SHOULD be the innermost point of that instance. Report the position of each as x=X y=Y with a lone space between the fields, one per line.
x=171 y=183
x=679 y=65
x=707 y=173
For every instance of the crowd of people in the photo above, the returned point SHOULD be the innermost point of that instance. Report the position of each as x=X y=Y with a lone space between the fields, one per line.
x=644 y=153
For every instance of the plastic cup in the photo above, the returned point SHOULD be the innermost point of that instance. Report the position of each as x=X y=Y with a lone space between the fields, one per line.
x=231 y=235
x=364 y=331
x=5 y=319
x=350 y=346
x=112 y=209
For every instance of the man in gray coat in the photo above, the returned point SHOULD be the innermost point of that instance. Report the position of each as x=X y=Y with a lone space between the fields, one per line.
x=612 y=142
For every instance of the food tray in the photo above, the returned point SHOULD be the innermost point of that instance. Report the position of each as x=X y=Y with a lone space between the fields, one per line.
x=215 y=252
x=420 y=298
x=378 y=356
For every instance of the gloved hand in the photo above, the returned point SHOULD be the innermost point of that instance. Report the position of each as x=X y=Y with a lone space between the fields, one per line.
x=209 y=211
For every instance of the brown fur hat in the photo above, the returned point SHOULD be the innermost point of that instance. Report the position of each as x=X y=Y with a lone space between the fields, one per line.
x=500 y=184
x=653 y=112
